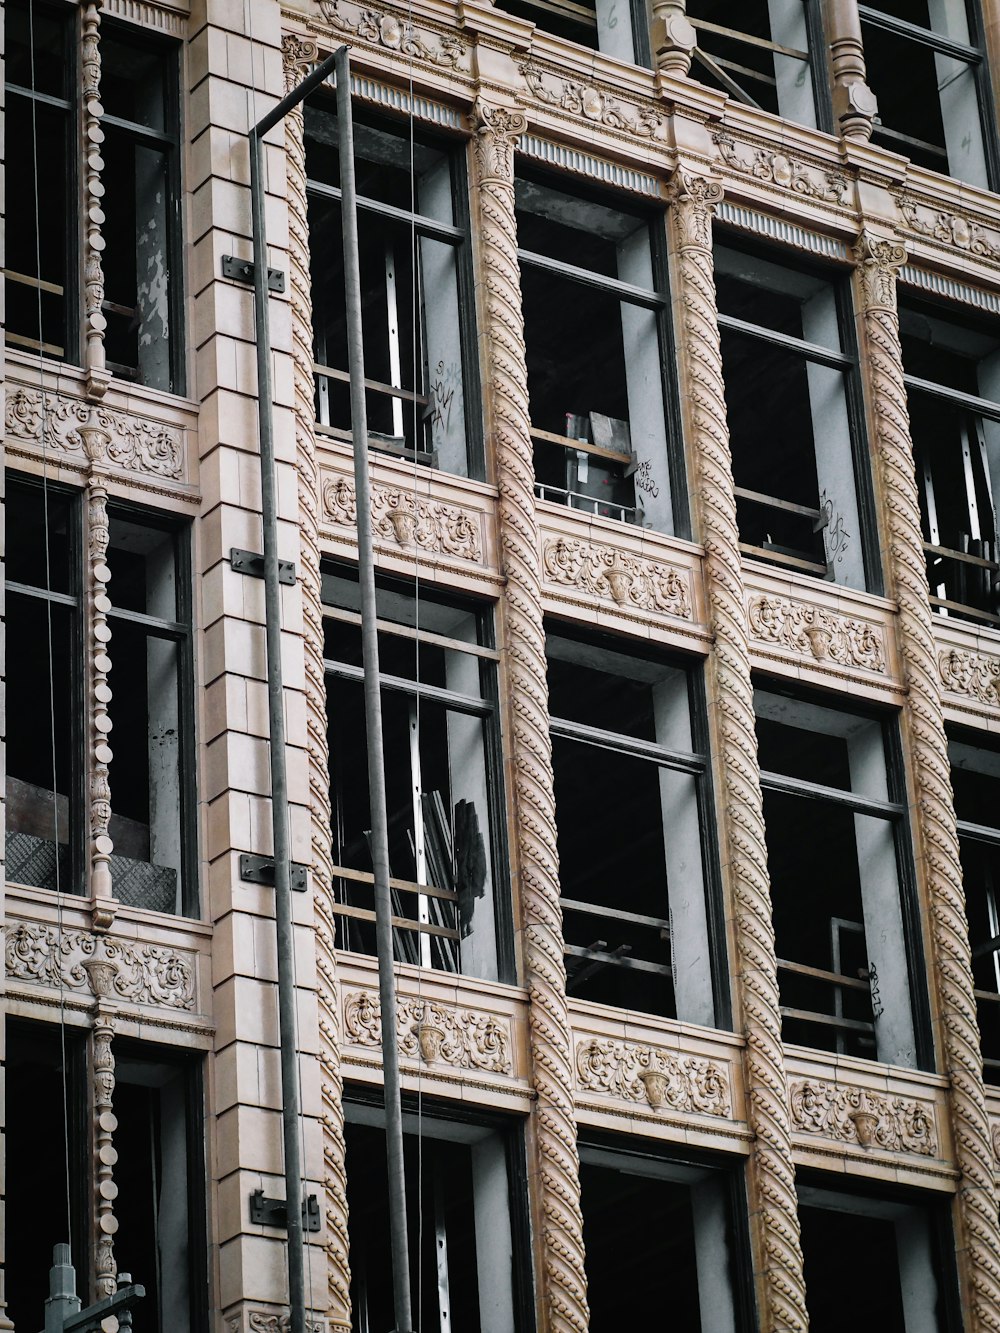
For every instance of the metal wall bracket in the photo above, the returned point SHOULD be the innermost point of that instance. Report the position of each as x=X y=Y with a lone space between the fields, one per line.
x=249 y=562
x=266 y=1212
x=242 y=270
x=260 y=870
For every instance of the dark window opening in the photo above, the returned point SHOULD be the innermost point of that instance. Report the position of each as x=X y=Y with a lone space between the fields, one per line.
x=833 y=819
x=593 y=299
x=758 y=52
x=463 y=1226
x=142 y=255
x=418 y=374
x=40 y=153
x=658 y=1236
x=892 y=1249
x=789 y=392
x=953 y=388
x=975 y=778
x=619 y=30
x=938 y=114
x=628 y=788
x=442 y=778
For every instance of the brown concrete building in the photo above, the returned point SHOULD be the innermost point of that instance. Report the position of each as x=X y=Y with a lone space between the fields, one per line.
x=683 y=382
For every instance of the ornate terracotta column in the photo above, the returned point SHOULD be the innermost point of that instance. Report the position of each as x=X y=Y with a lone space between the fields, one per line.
x=854 y=103
x=935 y=836
x=560 y=1228
x=774 y=1216
x=299 y=55
x=94 y=321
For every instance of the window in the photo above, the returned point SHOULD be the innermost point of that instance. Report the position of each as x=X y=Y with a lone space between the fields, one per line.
x=790 y=369
x=441 y=754
x=953 y=391
x=630 y=788
x=139 y=168
x=415 y=288
x=758 y=51
x=940 y=113
x=975 y=779
x=660 y=1236
x=466 y=1195
x=840 y=891
x=149 y=669
x=619 y=28
x=159 y=1175
x=594 y=298
x=889 y=1248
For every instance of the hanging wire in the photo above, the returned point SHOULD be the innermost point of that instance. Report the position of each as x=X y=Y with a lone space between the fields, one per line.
x=43 y=440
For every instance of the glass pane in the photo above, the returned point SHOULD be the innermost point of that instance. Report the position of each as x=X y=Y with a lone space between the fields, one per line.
x=27 y=526
x=632 y=696
x=867 y=1245
x=135 y=80
x=775 y=80
x=143 y=564
x=42 y=29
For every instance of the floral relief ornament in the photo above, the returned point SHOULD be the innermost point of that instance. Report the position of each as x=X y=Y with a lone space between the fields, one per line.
x=109 y=967
x=951 y=229
x=497 y=127
x=812 y=629
x=433 y=1032
x=862 y=1117
x=623 y=579
x=971 y=674
x=790 y=173
x=383 y=28
x=399 y=516
x=658 y=1077
x=582 y=99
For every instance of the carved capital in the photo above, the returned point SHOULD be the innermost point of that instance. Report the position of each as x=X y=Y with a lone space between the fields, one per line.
x=497 y=128
x=692 y=200
x=298 y=55
x=879 y=260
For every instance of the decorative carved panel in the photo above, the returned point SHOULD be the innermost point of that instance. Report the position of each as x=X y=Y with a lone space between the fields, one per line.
x=810 y=180
x=433 y=1032
x=593 y=104
x=955 y=230
x=971 y=674
x=407 y=520
x=133 y=442
x=816 y=632
x=615 y=576
x=394 y=32
x=139 y=973
x=649 y=1074
x=862 y=1118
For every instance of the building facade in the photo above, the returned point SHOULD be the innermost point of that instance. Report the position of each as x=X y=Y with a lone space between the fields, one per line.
x=683 y=384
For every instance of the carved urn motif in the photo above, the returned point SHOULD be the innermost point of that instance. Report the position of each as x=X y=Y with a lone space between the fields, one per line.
x=655 y=1082
x=101 y=974
x=620 y=580
x=404 y=525
x=430 y=1038
x=864 y=1118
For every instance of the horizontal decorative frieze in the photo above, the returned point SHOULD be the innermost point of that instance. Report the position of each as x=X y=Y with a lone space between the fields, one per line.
x=862 y=1118
x=816 y=632
x=778 y=229
x=395 y=32
x=972 y=674
x=433 y=1032
x=407 y=520
x=111 y=968
x=806 y=179
x=957 y=231
x=616 y=576
x=940 y=284
x=268 y=1321
x=649 y=1074
x=593 y=104
x=586 y=164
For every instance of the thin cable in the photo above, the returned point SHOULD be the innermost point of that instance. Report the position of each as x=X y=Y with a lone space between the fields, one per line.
x=48 y=613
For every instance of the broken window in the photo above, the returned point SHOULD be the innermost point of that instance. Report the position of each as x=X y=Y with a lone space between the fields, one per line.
x=941 y=113
x=466 y=1227
x=594 y=298
x=791 y=400
x=616 y=28
x=659 y=1236
x=44 y=689
x=442 y=769
x=159 y=1175
x=758 y=51
x=414 y=256
x=953 y=391
x=40 y=122
x=975 y=780
x=151 y=771
x=834 y=808
x=629 y=788
x=142 y=253
x=888 y=1247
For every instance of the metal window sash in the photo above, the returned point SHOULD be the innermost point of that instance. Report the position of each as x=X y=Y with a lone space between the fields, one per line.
x=612 y=740
x=43 y=594
x=902 y=28
x=748 y=39
x=815 y=791
x=156 y=138
x=163 y=629
x=625 y=291
x=811 y=351
x=430 y=228
x=981 y=406
x=32 y=94
x=979 y=832
x=411 y=632
x=460 y=703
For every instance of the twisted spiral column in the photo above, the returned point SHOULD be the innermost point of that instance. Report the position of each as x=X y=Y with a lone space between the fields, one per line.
x=878 y=260
x=564 y=1290
x=778 y=1253
x=298 y=55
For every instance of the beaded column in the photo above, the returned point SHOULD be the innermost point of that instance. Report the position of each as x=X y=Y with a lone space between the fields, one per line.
x=777 y=1250
x=94 y=321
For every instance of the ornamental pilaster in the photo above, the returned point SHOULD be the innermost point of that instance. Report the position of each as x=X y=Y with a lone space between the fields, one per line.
x=560 y=1224
x=936 y=839
x=299 y=54
x=101 y=975
x=777 y=1249
x=94 y=320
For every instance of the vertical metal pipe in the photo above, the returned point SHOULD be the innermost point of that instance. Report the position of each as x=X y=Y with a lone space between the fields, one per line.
x=279 y=780
x=373 y=709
